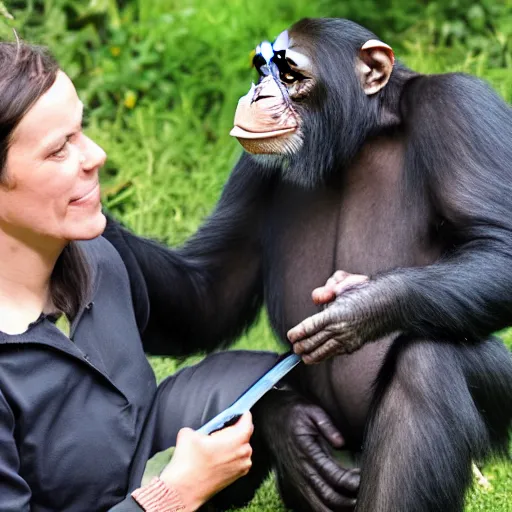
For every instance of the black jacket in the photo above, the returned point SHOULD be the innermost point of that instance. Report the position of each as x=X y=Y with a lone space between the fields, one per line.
x=72 y=411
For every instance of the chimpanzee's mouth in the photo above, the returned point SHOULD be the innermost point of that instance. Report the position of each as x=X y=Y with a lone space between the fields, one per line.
x=242 y=133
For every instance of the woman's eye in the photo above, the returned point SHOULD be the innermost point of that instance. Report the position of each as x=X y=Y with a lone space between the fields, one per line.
x=61 y=151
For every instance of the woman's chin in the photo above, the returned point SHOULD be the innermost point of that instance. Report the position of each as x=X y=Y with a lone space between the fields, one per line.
x=89 y=228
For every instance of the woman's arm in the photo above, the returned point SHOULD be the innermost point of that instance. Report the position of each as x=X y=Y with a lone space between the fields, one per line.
x=200 y=467
x=15 y=493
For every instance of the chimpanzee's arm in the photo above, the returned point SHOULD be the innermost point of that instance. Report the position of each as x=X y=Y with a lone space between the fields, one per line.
x=202 y=295
x=461 y=142
x=459 y=159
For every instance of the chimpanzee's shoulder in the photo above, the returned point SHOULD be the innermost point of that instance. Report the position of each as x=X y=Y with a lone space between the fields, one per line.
x=458 y=98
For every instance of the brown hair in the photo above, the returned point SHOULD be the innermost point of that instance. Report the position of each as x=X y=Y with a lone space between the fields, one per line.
x=26 y=73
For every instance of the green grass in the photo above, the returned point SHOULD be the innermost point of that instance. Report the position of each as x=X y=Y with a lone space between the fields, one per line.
x=161 y=80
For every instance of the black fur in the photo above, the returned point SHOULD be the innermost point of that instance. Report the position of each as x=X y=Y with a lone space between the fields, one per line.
x=337 y=117
x=217 y=284
x=443 y=395
x=438 y=406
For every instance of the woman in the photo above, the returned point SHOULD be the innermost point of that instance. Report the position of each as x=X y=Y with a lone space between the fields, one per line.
x=80 y=415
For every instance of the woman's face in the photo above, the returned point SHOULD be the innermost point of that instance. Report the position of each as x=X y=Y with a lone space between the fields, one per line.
x=49 y=185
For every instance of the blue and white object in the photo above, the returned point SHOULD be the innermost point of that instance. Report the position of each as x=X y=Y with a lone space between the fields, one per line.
x=266 y=51
x=230 y=415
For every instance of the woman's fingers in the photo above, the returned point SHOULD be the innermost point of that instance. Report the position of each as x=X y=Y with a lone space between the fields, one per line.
x=184 y=435
x=245 y=426
x=234 y=442
x=236 y=434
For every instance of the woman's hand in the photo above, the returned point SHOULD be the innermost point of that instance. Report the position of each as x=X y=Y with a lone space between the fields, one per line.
x=203 y=465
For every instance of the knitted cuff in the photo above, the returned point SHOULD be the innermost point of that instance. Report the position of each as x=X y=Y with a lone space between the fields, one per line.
x=158 y=497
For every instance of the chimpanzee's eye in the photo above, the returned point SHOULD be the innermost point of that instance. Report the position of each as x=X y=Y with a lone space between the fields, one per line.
x=289 y=77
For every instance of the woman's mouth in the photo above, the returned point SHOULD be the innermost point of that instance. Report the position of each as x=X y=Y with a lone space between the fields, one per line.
x=92 y=196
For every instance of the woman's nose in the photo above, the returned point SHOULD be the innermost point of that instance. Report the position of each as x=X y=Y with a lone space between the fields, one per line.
x=93 y=155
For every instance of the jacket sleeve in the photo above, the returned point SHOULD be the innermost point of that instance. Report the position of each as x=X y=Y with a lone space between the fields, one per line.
x=127 y=505
x=15 y=493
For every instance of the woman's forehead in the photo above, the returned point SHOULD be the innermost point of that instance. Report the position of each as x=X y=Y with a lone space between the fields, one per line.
x=53 y=114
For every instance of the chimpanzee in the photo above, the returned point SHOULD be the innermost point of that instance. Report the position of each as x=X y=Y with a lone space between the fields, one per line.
x=403 y=182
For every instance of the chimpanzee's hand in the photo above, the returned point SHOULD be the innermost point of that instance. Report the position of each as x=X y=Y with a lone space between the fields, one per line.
x=362 y=311
x=297 y=433
x=337 y=284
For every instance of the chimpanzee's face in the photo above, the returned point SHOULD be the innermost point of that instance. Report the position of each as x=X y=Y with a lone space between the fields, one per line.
x=315 y=101
x=267 y=120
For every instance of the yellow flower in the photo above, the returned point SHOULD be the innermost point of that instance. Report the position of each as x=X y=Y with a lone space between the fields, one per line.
x=130 y=99
x=115 y=51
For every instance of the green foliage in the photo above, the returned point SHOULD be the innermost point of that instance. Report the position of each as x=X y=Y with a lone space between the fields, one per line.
x=153 y=50
x=161 y=79
x=484 y=26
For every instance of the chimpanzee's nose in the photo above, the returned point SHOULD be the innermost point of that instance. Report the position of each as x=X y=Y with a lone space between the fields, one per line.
x=267 y=88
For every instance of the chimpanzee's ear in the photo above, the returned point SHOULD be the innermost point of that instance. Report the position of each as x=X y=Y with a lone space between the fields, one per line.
x=374 y=65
